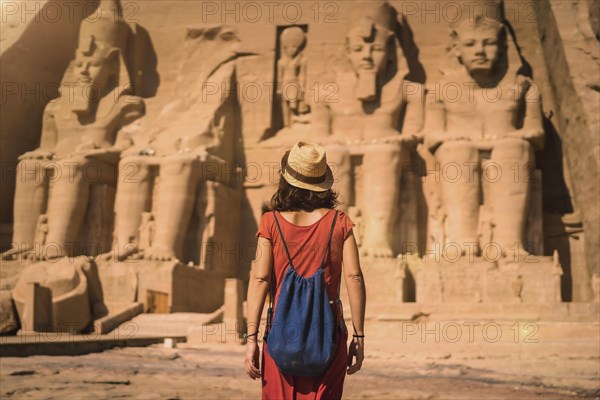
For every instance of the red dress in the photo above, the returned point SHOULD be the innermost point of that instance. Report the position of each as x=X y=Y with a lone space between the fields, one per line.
x=306 y=245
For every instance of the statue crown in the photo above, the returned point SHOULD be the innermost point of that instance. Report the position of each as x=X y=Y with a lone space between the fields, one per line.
x=105 y=29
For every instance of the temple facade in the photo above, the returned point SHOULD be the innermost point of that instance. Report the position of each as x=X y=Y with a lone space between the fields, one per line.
x=138 y=158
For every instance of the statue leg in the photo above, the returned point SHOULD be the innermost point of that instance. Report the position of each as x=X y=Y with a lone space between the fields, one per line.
x=134 y=196
x=285 y=113
x=67 y=205
x=338 y=158
x=175 y=201
x=510 y=194
x=381 y=188
x=30 y=202
x=459 y=176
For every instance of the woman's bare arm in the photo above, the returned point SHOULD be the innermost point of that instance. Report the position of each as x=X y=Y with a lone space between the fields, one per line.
x=258 y=287
x=355 y=284
x=357 y=295
x=260 y=282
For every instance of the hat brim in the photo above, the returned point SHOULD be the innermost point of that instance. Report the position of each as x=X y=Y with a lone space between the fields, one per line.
x=315 y=187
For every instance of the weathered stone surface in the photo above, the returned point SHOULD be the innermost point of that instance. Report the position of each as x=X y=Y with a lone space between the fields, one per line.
x=60 y=296
x=535 y=280
x=571 y=54
x=199 y=167
x=9 y=320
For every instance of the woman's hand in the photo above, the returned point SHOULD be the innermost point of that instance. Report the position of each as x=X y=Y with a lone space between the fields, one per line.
x=356 y=349
x=252 y=363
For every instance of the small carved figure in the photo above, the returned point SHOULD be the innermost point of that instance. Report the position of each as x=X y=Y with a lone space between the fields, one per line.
x=291 y=75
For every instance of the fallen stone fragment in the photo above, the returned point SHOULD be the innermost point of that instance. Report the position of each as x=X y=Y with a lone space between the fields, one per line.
x=22 y=372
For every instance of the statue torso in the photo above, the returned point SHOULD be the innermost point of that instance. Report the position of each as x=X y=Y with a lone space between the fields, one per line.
x=483 y=113
x=355 y=120
x=71 y=131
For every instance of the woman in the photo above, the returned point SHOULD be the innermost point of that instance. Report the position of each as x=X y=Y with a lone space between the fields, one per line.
x=304 y=208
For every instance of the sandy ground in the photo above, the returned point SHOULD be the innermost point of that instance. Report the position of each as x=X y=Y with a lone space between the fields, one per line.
x=443 y=360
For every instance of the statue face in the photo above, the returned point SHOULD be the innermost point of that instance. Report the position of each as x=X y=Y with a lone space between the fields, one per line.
x=95 y=69
x=478 y=49
x=368 y=56
x=291 y=50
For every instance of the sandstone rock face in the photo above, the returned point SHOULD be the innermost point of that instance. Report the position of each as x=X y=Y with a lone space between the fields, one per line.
x=466 y=133
x=571 y=53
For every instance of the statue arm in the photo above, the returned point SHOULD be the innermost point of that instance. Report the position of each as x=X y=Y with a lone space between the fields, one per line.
x=303 y=75
x=435 y=122
x=49 y=131
x=415 y=109
x=280 y=75
x=48 y=140
x=533 y=126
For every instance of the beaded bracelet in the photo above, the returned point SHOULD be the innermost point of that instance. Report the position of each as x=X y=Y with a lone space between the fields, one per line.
x=246 y=336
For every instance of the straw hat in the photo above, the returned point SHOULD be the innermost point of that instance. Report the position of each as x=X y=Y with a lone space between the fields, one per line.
x=305 y=166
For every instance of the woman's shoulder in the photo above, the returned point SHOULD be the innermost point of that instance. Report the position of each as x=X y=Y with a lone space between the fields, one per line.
x=265 y=225
x=345 y=221
x=267 y=218
x=342 y=215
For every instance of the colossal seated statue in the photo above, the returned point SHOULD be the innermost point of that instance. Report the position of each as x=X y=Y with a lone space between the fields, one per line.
x=170 y=177
x=79 y=145
x=370 y=109
x=483 y=124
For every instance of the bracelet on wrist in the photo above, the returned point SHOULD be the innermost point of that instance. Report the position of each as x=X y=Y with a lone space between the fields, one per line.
x=246 y=335
x=359 y=336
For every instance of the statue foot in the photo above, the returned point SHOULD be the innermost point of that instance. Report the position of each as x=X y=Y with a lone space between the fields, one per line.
x=120 y=254
x=514 y=252
x=46 y=252
x=14 y=252
x=159 y=254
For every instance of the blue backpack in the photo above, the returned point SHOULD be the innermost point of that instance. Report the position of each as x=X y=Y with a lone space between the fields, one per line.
x=301 y=334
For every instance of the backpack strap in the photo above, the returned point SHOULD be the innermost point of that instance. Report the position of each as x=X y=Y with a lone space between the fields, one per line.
x=329 y=240
x=272 y=286
x=287 y=252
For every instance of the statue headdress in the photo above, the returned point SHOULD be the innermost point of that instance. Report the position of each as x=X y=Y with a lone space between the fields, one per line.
x=106 y=31
x=487 y=14
x=385 y=17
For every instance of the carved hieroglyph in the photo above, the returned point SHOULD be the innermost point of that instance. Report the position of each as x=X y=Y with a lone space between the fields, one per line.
x=483 y=139
x=79 y=135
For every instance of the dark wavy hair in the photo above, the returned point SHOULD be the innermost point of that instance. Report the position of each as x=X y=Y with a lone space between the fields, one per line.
x=291 y=198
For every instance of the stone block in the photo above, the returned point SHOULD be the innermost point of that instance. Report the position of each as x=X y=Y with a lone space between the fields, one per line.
x=9 y=320
x=535 y=280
